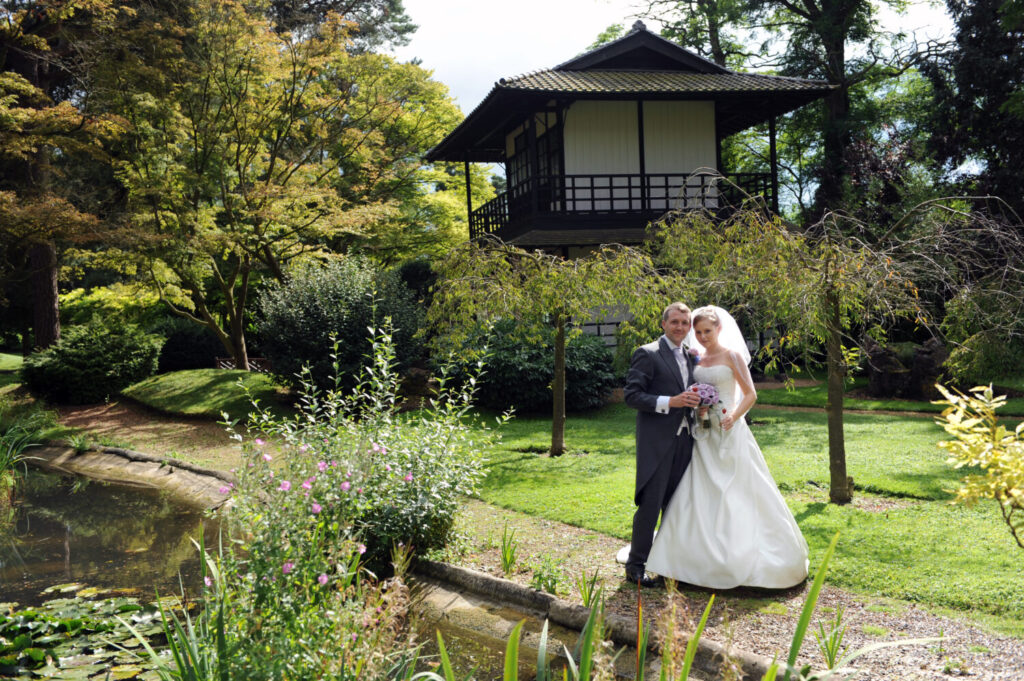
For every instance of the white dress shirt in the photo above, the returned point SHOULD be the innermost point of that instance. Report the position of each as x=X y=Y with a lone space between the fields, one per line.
x=677 y=351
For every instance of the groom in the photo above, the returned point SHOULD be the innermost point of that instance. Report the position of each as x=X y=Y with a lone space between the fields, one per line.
x=659 y=374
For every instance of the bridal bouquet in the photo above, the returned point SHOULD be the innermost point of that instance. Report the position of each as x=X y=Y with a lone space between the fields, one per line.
x=708 y=396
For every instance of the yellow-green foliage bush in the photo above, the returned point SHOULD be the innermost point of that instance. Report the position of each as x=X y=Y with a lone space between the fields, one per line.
x=129 y=302
x=982 y=442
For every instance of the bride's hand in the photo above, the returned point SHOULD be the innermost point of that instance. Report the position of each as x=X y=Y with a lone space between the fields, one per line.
x=727 y=420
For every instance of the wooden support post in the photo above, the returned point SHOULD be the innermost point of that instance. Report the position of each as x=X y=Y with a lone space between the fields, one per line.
x=643 y=157
x=774 y=162
x=469 y=192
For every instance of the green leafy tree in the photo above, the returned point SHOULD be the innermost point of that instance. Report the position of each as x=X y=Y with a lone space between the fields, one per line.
x=45 y=137
x=252 y=147
x=977 y=111
x=491 y=279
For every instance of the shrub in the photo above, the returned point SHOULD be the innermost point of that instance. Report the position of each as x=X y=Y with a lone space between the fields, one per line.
x=128 y=302
x=187 y=345
x=92 y=361
x=519 y=372
x=982 y=358
x=297 y=320
x=353 y=467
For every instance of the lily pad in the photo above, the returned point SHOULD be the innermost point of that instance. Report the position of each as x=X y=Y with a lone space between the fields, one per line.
x=63 y=588
x=125 y=671
x=89 y=592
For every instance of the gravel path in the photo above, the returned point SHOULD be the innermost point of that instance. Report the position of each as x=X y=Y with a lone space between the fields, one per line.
x=757 y=621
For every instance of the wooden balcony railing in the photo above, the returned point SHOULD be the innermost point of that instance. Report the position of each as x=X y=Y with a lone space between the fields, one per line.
x=643 y=197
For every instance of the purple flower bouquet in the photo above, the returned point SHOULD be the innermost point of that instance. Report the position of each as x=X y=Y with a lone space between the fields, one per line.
x=708 y=396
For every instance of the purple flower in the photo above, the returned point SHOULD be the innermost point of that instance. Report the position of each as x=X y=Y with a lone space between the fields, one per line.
x=267 y=457
x=259 y=442
x=207 y=581
x=308 y=483
x=287 y=567
x=408 y=477
x=707 y=392
x=322 y=579
x=359 y=491
x=321 y=466
x=285 y=486
x=346 y=486
x=224 y=489
x=695 y=354
x=317 y=508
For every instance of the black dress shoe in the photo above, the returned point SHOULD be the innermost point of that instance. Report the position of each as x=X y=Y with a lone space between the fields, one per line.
x=639 y=577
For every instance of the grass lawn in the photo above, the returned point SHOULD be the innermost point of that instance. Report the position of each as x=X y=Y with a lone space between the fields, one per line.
x=814 y=396
x=901 y=539
x=9 y=362
x=207 y=392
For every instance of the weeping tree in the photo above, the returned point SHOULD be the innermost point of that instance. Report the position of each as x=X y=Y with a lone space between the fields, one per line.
x=839 y=286
x=490 y=280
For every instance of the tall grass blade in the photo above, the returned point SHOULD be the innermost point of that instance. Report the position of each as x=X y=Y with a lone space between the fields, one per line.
x=805 y=616
x=446 y=663
x=543 y=673
x=692 y=644
x=512 y=653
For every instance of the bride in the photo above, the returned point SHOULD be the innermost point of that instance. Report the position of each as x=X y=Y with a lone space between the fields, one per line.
x=727 y=524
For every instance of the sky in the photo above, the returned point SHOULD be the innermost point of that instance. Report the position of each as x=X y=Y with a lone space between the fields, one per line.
x=470 y=44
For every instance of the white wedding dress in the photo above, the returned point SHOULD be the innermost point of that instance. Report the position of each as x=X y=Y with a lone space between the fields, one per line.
x=727 y=524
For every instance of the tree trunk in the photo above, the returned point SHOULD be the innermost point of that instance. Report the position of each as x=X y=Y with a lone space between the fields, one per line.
x=558 y=389
x=45 y=304
x=837 y=128
x=840 y=488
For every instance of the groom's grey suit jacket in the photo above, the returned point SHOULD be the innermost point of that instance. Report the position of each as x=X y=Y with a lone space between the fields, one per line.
x=654 y=371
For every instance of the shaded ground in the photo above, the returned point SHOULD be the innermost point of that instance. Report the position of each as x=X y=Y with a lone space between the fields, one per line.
x=751 y=620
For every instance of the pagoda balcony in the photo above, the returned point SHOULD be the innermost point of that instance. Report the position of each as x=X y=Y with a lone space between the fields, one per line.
x=610 y=201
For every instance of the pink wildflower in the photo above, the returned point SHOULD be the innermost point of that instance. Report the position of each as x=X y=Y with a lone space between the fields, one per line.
x=362 y=549
x=376 y=447
x=267 y=457
x=285 y=486
x=287 y=567
x=322 y=579
x=224 y=489
x=408 y=477
x=346 y=486
x=308 y=483
x=321 y=466
x=317 y=508
x=359 y=491
x=207 y=581
x=387 y=467
x=259 y=442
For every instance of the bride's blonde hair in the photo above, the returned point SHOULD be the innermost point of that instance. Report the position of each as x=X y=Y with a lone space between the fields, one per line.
x=706 y=312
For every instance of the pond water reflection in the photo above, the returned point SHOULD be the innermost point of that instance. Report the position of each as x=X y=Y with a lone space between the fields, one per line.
x=69 y=529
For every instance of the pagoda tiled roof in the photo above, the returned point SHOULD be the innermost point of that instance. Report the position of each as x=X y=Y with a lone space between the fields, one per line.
x=649 y=82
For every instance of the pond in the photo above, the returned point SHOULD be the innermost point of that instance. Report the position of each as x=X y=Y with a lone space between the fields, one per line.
x=106 y=536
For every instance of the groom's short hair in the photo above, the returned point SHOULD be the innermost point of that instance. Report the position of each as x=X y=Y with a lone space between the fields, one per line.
x=682 y=307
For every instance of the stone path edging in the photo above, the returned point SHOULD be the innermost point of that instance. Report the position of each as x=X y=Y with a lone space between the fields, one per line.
x=621 y=630
x=189 y=484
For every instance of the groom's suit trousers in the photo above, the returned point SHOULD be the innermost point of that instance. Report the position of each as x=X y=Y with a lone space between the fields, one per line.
x=654 y=497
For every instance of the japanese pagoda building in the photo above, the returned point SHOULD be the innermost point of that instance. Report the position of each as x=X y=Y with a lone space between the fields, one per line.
x=599 y=146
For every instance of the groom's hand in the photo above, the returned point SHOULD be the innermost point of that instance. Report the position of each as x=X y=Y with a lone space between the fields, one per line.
x=687 y=398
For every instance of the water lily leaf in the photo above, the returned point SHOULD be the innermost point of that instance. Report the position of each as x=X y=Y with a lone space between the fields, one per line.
x=125 y=671
x=37 y=655
x=51 y=638
x=22 y=641
x=89 y=592
x=47 y=671
x=8 y=606
x=150 y=676
x=63 y=588
x=129 y=607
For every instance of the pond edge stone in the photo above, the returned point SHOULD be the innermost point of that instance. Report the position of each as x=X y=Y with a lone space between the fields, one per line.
x=621 y=630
